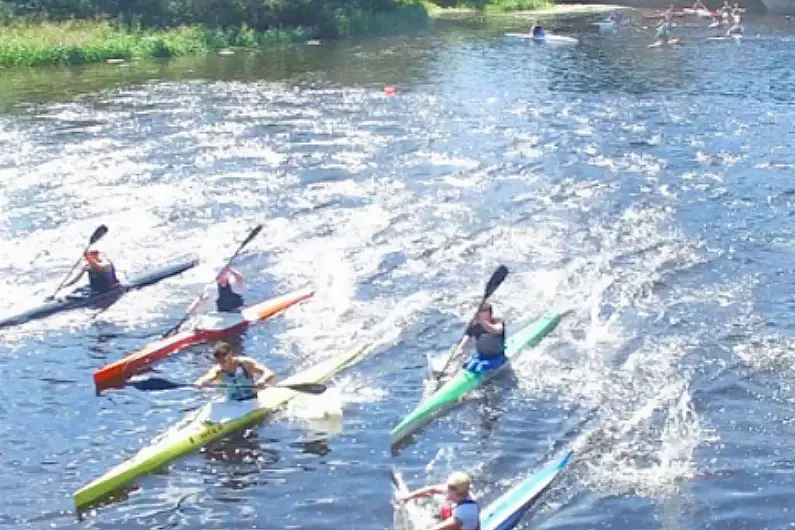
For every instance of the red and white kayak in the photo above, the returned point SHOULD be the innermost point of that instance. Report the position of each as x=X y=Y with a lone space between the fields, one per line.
x=208 y=327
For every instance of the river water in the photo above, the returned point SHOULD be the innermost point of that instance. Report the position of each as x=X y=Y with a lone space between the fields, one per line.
x=650 y=190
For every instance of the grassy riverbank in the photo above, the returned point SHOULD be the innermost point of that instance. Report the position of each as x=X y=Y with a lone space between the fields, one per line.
x=94 y=41
x=80 y=42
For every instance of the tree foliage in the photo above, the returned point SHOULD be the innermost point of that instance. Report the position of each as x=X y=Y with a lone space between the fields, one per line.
x=325 y=16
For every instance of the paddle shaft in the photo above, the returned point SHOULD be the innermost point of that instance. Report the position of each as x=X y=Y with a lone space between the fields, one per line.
x=240 y=248
x=98 y=234
x=493 y=284
x=158 y=384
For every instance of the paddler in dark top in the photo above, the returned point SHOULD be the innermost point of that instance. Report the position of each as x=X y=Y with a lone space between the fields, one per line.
x=101 y=272
x=236 y=374
x=488 y=333
x=538 y=31
x=228 y=286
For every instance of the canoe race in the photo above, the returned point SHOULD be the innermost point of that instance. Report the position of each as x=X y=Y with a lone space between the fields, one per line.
x=406 y=264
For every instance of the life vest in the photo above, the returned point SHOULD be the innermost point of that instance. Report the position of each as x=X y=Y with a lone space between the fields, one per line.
x=101 y=281
x=239 y=385
x=448 y=508
x=227 y=300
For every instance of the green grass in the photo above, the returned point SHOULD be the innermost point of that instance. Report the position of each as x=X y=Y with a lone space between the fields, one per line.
x=518 y=5
x=440 y=8
x=80 y=42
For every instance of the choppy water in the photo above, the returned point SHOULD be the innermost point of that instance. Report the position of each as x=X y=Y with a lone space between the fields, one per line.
x=649 y=189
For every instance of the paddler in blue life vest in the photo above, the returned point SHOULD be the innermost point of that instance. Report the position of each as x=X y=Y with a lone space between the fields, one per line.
x=665 y=27
x=488 y=334
x=459 y=511
x=538 y=32
x=101 y=272
x=240 y=376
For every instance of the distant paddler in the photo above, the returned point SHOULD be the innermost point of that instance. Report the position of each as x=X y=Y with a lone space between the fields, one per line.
x=736 y=16
x=665 y=27
x=101 y=272
x=488 y=334
x=725 y=11
x=616 y=17
x=459 y=511
x=737 y=26
x=240 y=376
x=538 y=31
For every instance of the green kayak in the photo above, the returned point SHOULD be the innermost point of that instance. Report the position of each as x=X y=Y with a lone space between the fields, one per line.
x=464 y=381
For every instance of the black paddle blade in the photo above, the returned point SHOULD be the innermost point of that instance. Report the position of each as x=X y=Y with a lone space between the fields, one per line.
x=496 y=280
x=154 y=384
x=252 y=235
x=307 y=388
x=98 y=234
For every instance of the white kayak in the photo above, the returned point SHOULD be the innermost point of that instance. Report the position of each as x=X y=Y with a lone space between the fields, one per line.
x=605 y=25
x=660 y=43
x=701 y=13
x=505 y=512
x=735 y=37
x=545 y=38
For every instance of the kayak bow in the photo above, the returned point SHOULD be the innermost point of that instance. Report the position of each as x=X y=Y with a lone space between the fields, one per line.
x=82 y=296
x=505 y=512
x=464 y=381
x=213 y=421
x=114 y=375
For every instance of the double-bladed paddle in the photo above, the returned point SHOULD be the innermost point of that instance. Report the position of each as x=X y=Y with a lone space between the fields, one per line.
x=494 y=282
x=155 y=384
x=240 y=248
x=98 y=234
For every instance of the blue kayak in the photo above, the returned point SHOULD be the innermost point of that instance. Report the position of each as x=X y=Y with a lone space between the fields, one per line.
x=508 y=509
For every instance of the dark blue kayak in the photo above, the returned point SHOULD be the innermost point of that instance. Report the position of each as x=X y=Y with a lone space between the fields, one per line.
x=83 y=297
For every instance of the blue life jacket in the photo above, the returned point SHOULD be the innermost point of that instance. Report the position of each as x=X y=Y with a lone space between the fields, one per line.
x=239 y=385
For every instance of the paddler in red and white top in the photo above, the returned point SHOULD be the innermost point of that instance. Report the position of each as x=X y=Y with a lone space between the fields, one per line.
x=101 y=272
x=459 y=511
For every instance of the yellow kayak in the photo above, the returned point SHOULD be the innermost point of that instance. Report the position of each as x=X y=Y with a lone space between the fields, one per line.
x=211 y=422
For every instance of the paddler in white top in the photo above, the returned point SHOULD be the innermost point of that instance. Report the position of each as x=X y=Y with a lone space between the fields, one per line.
x=236 y=374
x=737 y=25
x=459 y=511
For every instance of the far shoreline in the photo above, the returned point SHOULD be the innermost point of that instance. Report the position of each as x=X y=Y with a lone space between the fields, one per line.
x=33 y=44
